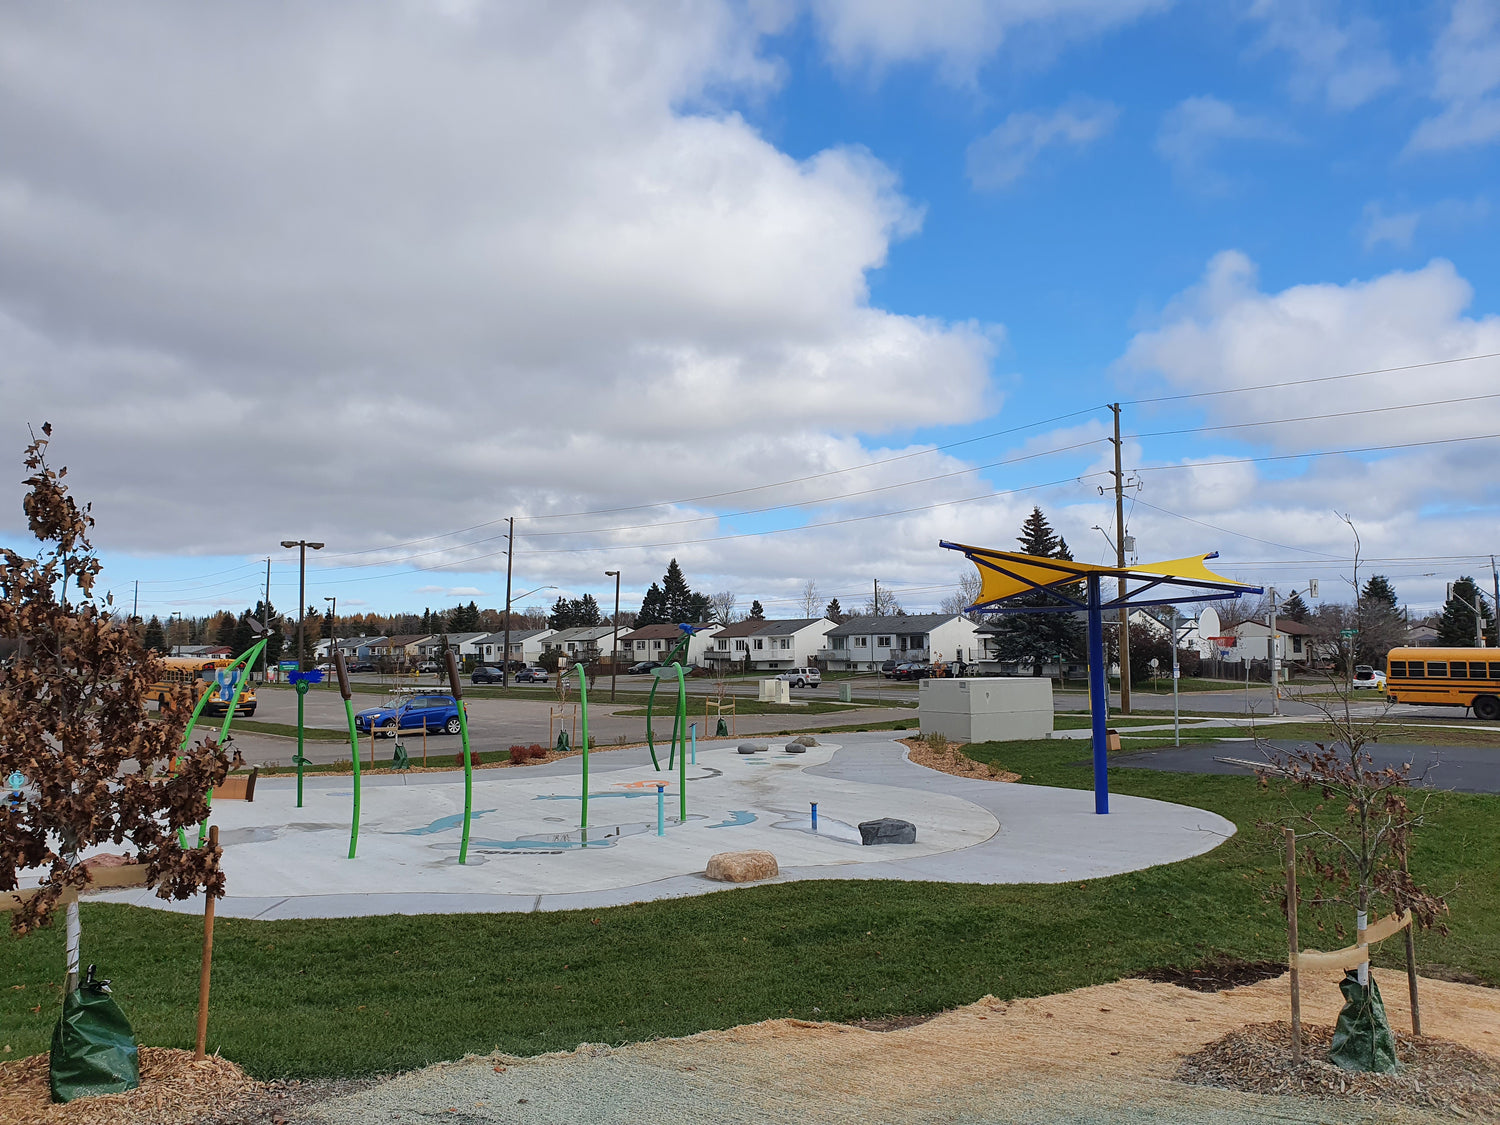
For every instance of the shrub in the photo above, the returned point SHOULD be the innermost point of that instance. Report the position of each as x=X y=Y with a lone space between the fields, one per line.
x=536 y=750
x=936 y=741
x=474 y=759
x=518 y=755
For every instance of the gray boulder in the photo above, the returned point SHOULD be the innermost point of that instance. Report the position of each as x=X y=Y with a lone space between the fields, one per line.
x=747 y=748
x=887 y=830
x=805 y=740
x=795 y=748
x=754 y=747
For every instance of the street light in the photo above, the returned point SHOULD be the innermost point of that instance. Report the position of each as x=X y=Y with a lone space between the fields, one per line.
x=614 y=641
x=177 y=613
x=302 y=545
x=505 y=656
x=333 y=614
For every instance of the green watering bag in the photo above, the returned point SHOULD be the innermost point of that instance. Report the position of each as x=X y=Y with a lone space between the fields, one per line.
x=93 y=1048
x=1362 y=1038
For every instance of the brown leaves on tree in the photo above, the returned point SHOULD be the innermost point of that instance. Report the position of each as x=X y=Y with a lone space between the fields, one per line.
x=73 y=720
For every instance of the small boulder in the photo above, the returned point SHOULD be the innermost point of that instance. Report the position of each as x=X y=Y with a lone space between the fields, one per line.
x=887 y=830
x=795 y=748
x=746 y=748
x=806 y=740
x=742 y=867
x=754 y=747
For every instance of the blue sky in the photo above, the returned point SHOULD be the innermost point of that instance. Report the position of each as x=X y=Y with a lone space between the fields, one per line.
x=588 y=260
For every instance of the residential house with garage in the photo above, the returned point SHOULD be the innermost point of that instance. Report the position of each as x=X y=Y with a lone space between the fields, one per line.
x=653 y=642
x=583 y=643
x=525 y=645
x=771 y=646
x=863 y=644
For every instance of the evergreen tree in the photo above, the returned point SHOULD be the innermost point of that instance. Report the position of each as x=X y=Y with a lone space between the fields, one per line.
x=700 y=608
x=427 y=620
x=1295 y=609
x=757 y=613
x=561 y=616
x=1456 y=627
x=1040 y=637
x=585 y=611
x=676 y=594
x=834 y=612
x=224 y=631
x=268 y=617
x=243 y=637
x=653 y=608
x=1378 y=588
x=464 y=618
x=156 y=640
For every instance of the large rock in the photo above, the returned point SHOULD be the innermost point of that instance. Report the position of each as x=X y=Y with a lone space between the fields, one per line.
x=795 y=748
x=754 y=747
x=742 y=867
x=887 y=830
x=806 y=740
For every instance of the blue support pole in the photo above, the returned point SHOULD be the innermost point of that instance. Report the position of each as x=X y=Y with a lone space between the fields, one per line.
x=1098 y=698
x=661 y=809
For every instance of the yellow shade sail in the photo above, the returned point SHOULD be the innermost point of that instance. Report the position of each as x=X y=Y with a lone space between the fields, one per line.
x=1004 y=574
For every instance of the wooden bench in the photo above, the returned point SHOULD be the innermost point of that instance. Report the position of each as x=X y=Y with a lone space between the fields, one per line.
x=238 y=787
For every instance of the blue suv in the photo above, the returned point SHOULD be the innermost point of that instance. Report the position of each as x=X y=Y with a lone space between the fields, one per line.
x=435 y=712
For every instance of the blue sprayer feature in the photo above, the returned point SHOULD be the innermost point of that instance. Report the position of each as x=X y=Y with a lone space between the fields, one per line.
x=661 y=809
x=815 y=816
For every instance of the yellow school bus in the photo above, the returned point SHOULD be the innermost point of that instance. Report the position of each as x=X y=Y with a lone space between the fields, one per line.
x=1446 y=677
x=211 y=675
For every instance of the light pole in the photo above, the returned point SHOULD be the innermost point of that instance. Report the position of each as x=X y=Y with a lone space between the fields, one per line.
x=333 y=617
x=177 y=613
x=505 y=656
x=614 y=637
x=302 y=545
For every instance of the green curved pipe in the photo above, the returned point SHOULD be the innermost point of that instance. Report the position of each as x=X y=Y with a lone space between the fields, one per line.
x=354 y=757
x=679 y=724
x=678 y=653
x=243 y=662
x=583 y=699
x=463 y=727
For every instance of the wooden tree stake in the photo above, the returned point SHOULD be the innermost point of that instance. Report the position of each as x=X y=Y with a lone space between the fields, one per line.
x=1411 y=967
x=1292 y=943
x=206 y=972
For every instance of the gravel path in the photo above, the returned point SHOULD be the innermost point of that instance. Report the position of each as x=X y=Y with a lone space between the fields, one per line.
x=1102 y=1054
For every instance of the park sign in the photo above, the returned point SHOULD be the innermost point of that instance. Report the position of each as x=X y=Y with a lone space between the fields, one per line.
x=287 y=666
x=1347 y=633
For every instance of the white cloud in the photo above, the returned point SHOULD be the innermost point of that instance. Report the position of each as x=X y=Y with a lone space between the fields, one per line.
x=1397 y=229
x=1194 y=129
x=961 y=34
x=1466 y=66
x=1003 y=156
x=451 y=591
x=393 y=270
x=1225 y=332
x=1344 y=63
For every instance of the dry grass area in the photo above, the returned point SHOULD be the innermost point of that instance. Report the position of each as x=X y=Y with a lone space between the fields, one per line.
x=1435 y=1074
x=948 y=757
x=174 y=1090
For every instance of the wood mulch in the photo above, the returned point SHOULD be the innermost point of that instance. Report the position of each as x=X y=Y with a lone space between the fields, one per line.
x=952 y=759
x=1435 y=1074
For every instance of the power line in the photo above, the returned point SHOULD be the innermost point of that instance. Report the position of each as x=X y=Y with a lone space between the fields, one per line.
x=1315 y=417
x=1318 y=379
x=1230 y=531
x=1315 y=453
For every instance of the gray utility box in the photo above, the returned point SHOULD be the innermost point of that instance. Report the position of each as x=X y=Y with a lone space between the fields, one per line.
x=987 y=710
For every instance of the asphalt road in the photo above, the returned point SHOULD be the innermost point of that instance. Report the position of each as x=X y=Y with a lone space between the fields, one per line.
x=1463 y=769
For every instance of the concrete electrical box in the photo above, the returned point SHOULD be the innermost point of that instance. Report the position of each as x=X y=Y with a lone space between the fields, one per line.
x=987 y=710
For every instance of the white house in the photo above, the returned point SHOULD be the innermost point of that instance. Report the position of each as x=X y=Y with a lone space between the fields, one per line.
x=771 y=645
x=462 y=644
x=864 y=643
x=1293 y=641
x=654 y=642
x=525 y=645
x=583 y=642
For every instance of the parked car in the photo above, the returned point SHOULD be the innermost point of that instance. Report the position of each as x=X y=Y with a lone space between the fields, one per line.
x=435 y=712
x=363 y=666
x=486 y=675
x=643 y=667
x=888 y=669
x=802 y=677
x=1367 y=677
x=428 y=666
x=531 y=676
x=912 y=670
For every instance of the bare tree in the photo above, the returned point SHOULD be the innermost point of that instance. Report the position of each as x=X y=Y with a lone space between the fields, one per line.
x=965 y=595
x=722 y=605
x=882 y=603
x=812 y=601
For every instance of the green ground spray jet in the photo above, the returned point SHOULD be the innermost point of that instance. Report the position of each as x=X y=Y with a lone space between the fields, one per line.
x=463 y=727
x=347 y=693
x=679 y=752
x=243 y=664
x=583 y=700
x=677 y=656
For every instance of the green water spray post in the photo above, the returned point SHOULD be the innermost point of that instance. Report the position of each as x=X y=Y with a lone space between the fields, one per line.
x=302 y=685
x=676 y=656
x=583 y=706
x=680 y=733
x=457 y=687
x=348 y=694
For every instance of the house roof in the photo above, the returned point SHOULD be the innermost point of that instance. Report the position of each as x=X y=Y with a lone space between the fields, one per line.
x=355 y=642
x=405 y=640
x=745 y=628
x=915 y=623
x=498 y=638
x=654 y=633
x=581 y=633
x=1283 y=625
x=786 y=626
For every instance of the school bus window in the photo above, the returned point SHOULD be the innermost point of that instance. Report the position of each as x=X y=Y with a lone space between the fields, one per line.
x=1398 y=668
x=1459 y=670
x=1494 y=670
x=1437 y=668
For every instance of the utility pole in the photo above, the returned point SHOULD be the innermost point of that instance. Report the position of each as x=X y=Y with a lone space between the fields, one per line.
x=302 y=545
x=614 y=641
x=265 y=661
x=1273 y=658
x=875 y=605
x=135 y=603
x=1120 y=562
x=333 y=620
x=510 y=551
x=1495 y=574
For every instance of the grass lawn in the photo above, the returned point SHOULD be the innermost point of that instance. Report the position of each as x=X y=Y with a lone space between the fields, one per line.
x=666 y=706
x=353 y=996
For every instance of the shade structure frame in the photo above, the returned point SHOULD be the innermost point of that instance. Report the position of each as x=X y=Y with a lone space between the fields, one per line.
x=1029 y=574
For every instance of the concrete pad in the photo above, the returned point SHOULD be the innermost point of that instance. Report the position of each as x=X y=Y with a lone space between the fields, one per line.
x=527 y=852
